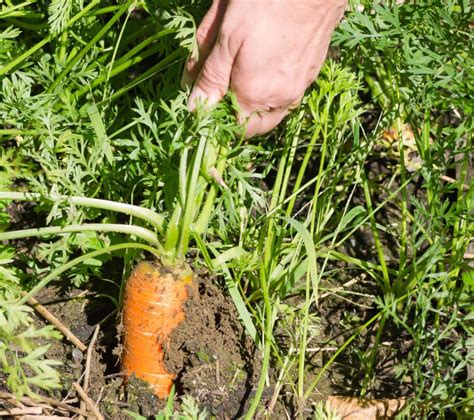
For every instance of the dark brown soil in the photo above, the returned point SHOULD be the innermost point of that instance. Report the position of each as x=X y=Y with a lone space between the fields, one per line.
x=216 y=362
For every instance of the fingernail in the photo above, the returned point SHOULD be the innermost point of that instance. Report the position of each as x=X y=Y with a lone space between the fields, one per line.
x=197 y=95
x=200 y=96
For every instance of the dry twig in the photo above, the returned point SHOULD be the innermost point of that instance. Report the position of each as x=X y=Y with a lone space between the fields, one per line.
x=41 y=402
x=338 y=289
x=21 y=411
x=44 y=418
x=56 y=322
x=64 y=406
x=87 y=369
x=90 y=404
x=452 y=181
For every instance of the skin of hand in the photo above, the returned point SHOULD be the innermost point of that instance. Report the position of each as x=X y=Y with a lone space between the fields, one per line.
x=266 y=51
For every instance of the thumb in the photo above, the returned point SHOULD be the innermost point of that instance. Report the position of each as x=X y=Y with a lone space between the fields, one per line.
x=213 y=80
x=206 y=36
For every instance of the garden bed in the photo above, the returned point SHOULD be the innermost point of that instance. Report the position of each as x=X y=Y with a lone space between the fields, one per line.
x=332 y=257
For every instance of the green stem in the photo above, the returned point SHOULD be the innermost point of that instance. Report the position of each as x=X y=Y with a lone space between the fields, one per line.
x=301 y=172
x=426 y=155
x=268 y=239
x=372 y=213
x=404 y=224
x=114 y=54
x=191 y=193
x=10 y=11
x=26 y=25
x=127 y=61
x=172 y=228
x=267 y=348
x=168 y=60
x=149 y=216
x=142 y=45
x=303 y=341
x=386 y=278
x=268 y=234
x=139 y=232
x=15 y=132
x=56 y=273
x=365 y=265
x=377 y=92
x=200 y=226
x=183 y=167
x=104 y=10
x=62 y=49
x=295 y=136
x=314 y=211
x=373 y=357
x=132 y=39
x=312 y=387
x=314 y=205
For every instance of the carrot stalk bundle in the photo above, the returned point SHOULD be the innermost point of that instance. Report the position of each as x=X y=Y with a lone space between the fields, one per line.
x=153 y=308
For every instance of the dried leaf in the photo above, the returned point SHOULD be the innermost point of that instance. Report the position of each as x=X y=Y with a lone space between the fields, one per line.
x=360 y=409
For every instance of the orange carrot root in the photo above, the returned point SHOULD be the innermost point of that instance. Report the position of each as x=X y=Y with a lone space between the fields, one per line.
x=153 y=308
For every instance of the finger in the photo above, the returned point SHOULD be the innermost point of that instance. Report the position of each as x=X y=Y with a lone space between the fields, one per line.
x=206 y=36
x=263 y=122
x=296 y=103
x=213 y=80
x=260 y=119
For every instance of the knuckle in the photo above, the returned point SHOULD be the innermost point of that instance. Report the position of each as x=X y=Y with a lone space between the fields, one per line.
x=225 y=34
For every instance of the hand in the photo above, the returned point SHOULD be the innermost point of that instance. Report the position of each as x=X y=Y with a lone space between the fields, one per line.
x=266 y=51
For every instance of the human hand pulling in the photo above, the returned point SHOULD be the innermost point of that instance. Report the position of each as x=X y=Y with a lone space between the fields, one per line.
x=266 y=51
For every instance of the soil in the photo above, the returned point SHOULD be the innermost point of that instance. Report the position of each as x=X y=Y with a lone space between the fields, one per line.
x=216 y=363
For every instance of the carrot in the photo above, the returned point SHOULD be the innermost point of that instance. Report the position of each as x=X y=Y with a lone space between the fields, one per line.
x=153 y=308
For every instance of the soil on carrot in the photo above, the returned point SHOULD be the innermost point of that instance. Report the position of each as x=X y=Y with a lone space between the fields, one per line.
x=215 y=362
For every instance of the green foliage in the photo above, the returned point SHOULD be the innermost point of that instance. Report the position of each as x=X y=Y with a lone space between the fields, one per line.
x=59 y=13
x=9 y=275
x=7 y=43
x=420 y=52
x=323 y=411
x=188 y=410
x=21 y=357
x=416 y=61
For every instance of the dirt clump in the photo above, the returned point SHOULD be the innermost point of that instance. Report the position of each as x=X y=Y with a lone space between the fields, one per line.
x=215 y=361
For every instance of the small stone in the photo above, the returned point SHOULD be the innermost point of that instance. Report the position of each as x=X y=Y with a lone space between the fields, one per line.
x=77 y=355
